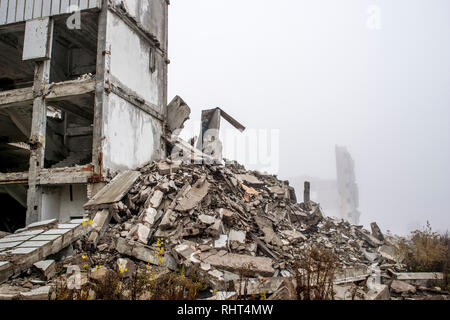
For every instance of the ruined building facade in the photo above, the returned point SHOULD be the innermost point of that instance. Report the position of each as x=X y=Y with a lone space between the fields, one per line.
x=346 y=186
x=83 y=94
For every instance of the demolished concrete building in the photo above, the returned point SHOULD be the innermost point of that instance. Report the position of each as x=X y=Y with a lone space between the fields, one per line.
x=88 y=189
x=77 y=102
x=346 y=185
x=338 y=197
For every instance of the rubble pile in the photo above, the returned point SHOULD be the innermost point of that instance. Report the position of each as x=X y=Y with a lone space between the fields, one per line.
x=225 y=222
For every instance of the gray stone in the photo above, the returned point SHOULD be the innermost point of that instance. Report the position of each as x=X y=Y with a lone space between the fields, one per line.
x=221 y=242
x=46 y=267
x=380 y=292
x=236 y=262
x=206 y=219
x=402 y=287
x=237 y=235
x=149 y=216
x=100 y=274
x=141 y=233
x=126 y=267
x=156 y=199
x=42 y=293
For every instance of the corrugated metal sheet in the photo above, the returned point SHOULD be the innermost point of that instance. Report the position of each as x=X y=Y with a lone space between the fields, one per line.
x=12 y=11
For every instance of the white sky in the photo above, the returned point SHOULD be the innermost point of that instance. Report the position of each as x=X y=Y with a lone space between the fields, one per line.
x=313 y=70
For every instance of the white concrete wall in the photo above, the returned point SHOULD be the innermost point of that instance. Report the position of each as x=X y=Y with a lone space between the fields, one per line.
x=150 y=14
x=74 y=208
x=130 y=61
x=50 y=203
x=132 y=136
x=56 y=203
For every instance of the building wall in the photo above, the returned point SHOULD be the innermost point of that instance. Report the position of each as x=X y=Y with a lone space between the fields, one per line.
x=12 y=11
x=150 y=15
x=57 y=204
x=132 y=136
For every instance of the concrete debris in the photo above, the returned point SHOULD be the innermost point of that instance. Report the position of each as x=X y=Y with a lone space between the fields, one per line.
x=238 y=262
x=46 y=267
x=177 y=114
x=194 y=196
x=390 y=253
x=99 y=275
x=379 y=292
x=218 y=220
x=237 y=235
x=402 y=287
x=376 y=231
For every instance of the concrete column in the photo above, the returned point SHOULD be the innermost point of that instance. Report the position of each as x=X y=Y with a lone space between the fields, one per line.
x=37 y=137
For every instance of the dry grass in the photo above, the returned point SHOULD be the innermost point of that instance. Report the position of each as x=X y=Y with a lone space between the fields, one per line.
x=315 y=273
x=427 y=251
x=141 y=285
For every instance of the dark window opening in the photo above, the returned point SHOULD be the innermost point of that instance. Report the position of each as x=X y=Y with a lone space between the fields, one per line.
x=13 y=213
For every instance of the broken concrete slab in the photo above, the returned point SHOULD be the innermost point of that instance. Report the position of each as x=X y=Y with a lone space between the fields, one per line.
x=206 y=219
x=380 y=292
x=99 y=274
x=376 y=231
x=115 y=190
x=398 y=286
x=237 y=262
x=237 y=235
x=266 y=226
x=177 y=114
x=250 y=179
x=126 y=267
x=194 y=196
x=165 y=167
x=426 y=279
x=41 y=293
x=221 y=243
x=47 y=268
x=31 y=251
x=353 y=274
x=144 y=253
x=188 y=251
x=371 y=240
x=390 y=253
x=141 y=233
x=293 y=235
x=9 y=292
x=6 y=270
x=156 y=199
x=15 y=238
x=149 y=216
x=99 y=225
x=38 y=225
x=348 y=292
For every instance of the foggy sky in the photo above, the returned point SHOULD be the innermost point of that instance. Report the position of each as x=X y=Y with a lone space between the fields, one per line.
x=316 y=72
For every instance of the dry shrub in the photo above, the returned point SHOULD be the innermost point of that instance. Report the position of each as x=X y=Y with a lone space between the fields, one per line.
x=176 y=286
x=170 y=286
x=427 y=251
x=244 y=275
x=315 y=273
